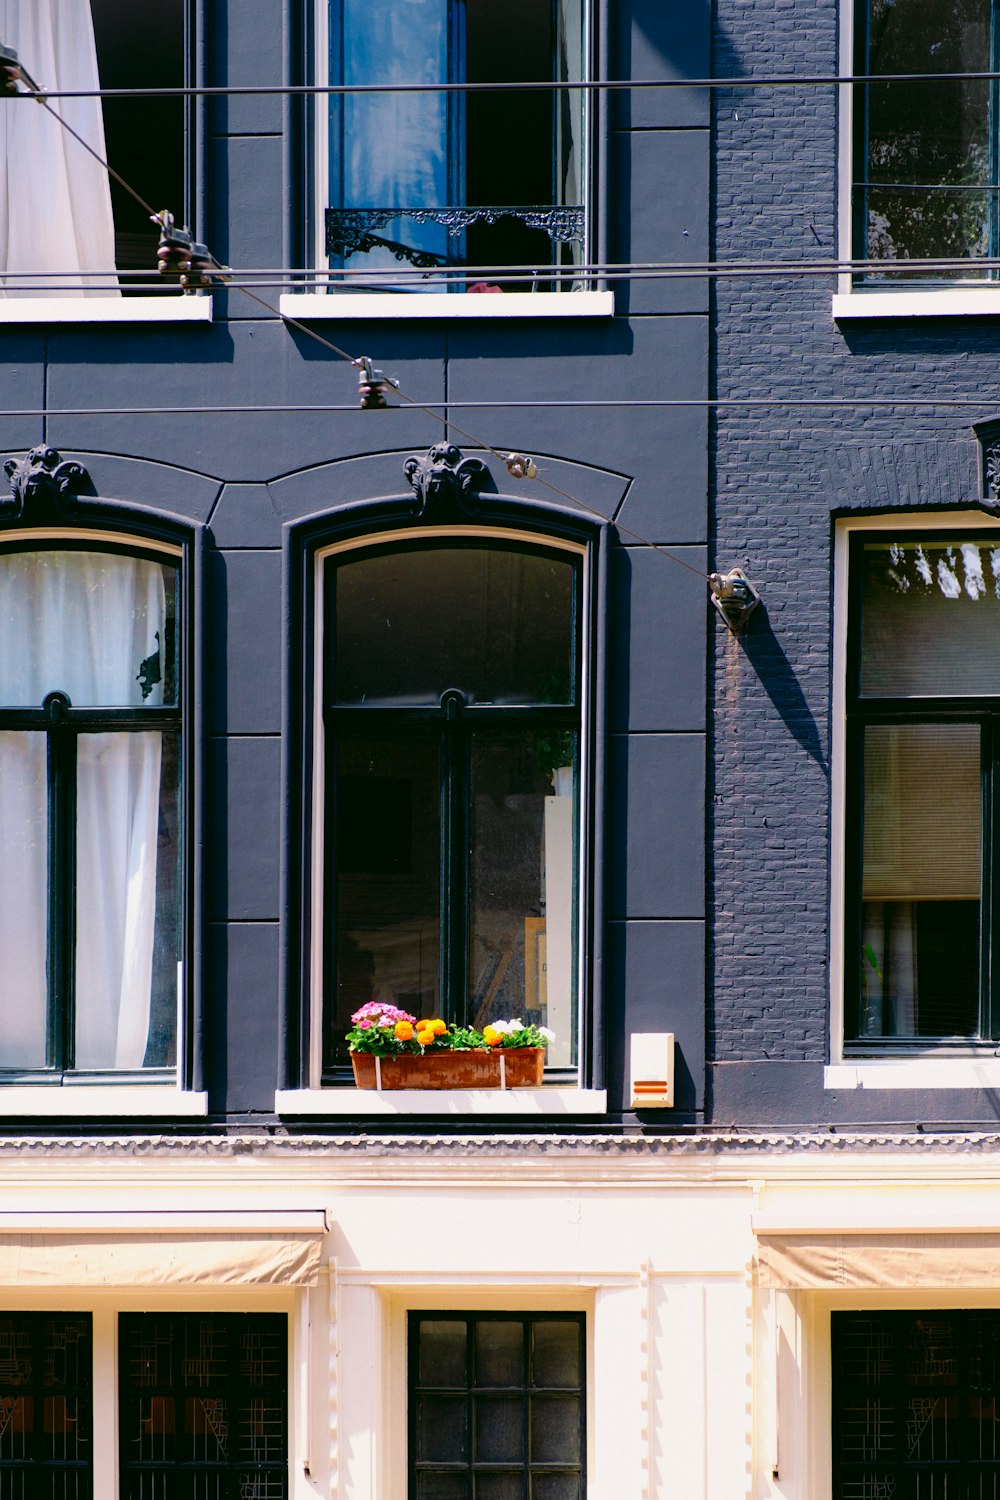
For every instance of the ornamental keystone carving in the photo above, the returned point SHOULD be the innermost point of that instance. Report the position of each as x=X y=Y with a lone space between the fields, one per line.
x=445 y=482
x=991 y=463
x=43 y=484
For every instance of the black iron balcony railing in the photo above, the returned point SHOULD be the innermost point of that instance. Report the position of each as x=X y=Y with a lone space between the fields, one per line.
x=353 y=231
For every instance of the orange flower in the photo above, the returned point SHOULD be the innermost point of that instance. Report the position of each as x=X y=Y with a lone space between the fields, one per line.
x=402 y=1031
x=438 y=1027
x=425 y=1036
x=490 y=1037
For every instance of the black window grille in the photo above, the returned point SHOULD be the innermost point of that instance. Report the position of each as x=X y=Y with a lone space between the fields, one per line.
x=203 y=1406
x=46 y=1423
x=497 y=1406
x=915 y=1405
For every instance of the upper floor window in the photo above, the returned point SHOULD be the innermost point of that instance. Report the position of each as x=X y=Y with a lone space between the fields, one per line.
x=926 y=153
x=452 y=686
x=438 y=181
x=90 y=808
x=84 y=222
x=923 y=747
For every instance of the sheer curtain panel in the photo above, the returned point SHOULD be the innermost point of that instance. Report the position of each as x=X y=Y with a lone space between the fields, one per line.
x=55 y=200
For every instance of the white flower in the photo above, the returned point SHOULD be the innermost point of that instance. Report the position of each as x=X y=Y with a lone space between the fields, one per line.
x=506 y=1027
x=544 y=1031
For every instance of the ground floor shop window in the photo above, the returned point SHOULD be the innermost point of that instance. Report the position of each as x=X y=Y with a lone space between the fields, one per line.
x=203 y=1406
x=497 y=1408
x=915 y=1405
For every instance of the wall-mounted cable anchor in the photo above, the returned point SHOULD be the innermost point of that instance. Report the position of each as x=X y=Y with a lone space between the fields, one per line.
x=180 y=257
x=734 y=596
x=373 y=385
x=520 y=466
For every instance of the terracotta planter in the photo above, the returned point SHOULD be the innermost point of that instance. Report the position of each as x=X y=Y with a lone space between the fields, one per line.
x=522 y=1067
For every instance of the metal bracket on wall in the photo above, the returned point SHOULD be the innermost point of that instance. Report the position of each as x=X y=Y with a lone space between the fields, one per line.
x=734 y=596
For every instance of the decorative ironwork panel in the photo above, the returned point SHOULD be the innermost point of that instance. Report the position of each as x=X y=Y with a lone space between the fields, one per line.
x=204 y=1407
x=46 y=1423
x=915 y=1405
x=351 y=231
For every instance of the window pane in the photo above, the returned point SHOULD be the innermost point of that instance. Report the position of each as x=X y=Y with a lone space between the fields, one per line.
x=388 y=822
x=23 y=900
x=556 y=1354
x=499 y=1428
x=926 y=134
x=499 y=1352
x=495 y=623
x=555 y=1429
x=443 y=1359
x=921 y=881
x=128 y=883
x=522 y=882
x=103 y=629
x=930 y=618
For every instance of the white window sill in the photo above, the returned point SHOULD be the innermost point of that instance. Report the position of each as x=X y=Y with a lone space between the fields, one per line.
x=308 y=306
x=86 y=1100
x=174 y=309
x=939 y=302
x=915 y=1073
x=544 y=1102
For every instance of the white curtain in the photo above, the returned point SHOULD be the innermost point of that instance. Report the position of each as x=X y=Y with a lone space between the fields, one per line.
x=55 y=200
x=94 y=619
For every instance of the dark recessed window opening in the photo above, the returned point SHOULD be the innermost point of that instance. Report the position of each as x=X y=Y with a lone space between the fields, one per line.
x=497 y=1405
x=143 y=46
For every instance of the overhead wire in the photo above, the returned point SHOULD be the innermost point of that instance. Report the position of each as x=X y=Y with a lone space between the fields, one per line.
x=159 y=217
x=550 y=85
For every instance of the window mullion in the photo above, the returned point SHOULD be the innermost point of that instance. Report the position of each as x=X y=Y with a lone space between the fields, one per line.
x=990 y=1012
x=61 y=845
x=455 y=777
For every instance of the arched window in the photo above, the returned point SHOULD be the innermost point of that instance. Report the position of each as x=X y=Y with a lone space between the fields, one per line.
x=452 y=688
x=90 y=806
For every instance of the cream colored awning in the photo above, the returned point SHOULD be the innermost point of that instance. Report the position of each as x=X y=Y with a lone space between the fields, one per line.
x=161 y=1249
x=878 y=1261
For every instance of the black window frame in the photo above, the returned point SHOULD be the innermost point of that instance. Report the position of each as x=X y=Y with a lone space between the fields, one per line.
x=861 y=713
x=471 y=1466
x=860 y=177
x=63 y=723
x=456 y=724
x=303 y=964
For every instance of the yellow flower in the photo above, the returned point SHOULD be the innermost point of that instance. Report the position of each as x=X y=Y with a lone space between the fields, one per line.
x=402 y=1031
x=425 y=1036
x=438 y=1027
x=491 y=1037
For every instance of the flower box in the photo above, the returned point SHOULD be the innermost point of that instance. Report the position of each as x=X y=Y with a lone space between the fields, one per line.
x=506 y=1067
